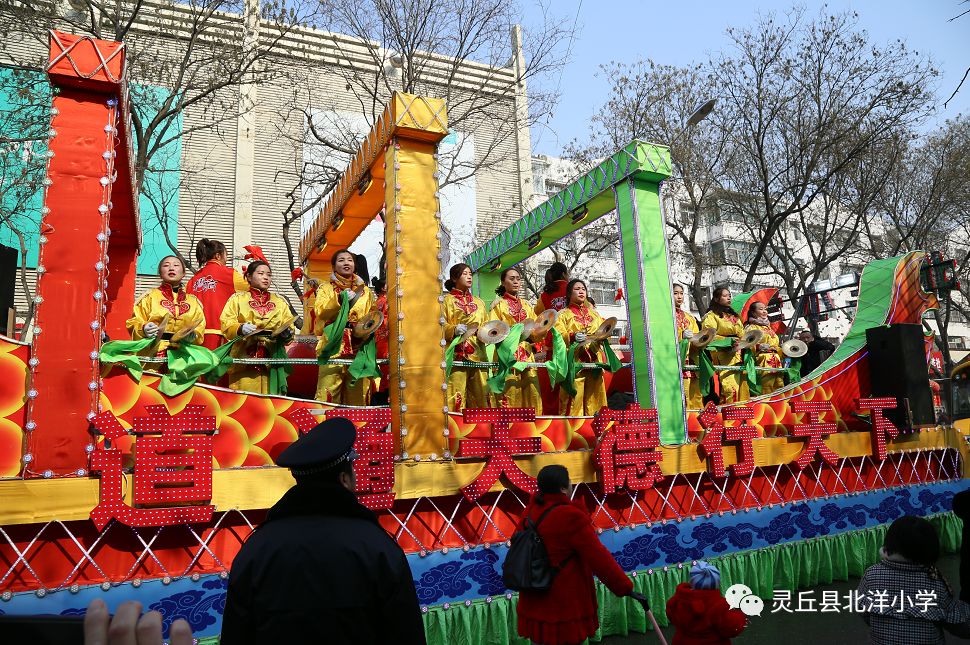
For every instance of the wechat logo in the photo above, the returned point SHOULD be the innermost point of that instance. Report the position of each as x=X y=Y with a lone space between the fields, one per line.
x=741 y=597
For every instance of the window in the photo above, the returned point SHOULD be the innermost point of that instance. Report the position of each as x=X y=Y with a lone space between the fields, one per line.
x=957 y=342
x=733 y=252
x=687 y=213
x=602 y=292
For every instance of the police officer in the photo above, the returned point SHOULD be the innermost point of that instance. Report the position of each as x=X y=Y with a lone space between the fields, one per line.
x=320 y=569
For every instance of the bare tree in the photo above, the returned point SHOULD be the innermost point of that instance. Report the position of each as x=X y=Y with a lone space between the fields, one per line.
x=24 y=125
x=200 y=52
x=925 y=205
x=804 y=100
x=653 y=102
x=457 y=50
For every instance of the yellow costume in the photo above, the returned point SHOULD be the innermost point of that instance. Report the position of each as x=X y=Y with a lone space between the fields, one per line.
x=183 y=311
x=590 y=388
x=333 y=382
x=726 y=327
x=268 y=312
x=521 y=388
x=692 y=388
x=770 y=381
x=467 y=386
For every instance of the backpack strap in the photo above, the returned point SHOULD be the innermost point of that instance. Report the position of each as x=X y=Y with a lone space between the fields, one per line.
x=535 y=525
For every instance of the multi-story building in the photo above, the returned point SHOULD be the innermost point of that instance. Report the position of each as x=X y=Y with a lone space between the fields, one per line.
x=241 y=159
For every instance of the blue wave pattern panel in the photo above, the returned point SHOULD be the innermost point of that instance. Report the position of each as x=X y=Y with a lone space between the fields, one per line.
x=460 y=575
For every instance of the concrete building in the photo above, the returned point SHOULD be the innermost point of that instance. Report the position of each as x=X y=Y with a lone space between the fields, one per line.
x=241 y=160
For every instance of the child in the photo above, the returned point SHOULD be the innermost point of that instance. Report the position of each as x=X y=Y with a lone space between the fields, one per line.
x=904 y=597
x=700 y=613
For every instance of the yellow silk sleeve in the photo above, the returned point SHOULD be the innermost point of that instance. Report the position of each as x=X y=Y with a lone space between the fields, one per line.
x=231 y=319
x=239 y=282
x=325 y=306
x=140 y=316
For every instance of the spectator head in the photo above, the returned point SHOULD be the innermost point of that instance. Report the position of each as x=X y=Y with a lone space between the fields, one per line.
x=551 y=480
x=914 y=539
x=805 y=336
x=705 y=576
x=325 y=454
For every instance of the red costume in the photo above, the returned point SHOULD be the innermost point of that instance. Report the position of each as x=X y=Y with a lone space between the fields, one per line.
x=566 y=613
x=703 y=617
x=556 y=300
x=213 y=285
x=381 y=341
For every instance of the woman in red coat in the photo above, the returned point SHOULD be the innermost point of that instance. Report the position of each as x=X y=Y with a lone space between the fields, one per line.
x=567 y=611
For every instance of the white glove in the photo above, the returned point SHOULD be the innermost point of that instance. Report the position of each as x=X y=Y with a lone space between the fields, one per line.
x=460 y=330
x=688 y=333
x=764 y=347
x=151 y=330
x=247 y=329
x=351 y=294
x=580 y=337
x=189 y=338
x=541 y=356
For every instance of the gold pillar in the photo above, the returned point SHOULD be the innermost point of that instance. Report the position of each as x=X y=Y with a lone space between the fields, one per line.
x=416 y=345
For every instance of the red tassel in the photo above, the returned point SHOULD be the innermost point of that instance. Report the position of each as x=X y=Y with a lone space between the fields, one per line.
x=619 y=295
x=296 y=274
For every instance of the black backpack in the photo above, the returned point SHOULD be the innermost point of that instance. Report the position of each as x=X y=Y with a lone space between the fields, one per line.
x=527 y=566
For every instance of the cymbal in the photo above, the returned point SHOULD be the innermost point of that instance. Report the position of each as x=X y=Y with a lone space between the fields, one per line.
x=703 y=338
x=471 y=331
x=528 y=327
x=162 y=326
x=544 y=323
x=368 y=324
x=604 y=331
x=794 y=348
x=751 y=338
x=493 y=332
x=282 y=328
x=185 y=331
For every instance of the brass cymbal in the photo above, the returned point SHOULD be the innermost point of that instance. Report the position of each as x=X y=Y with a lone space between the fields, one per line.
x=604 y=331
x=544 y=323
x=282 y=328
x=794 y=348
x=751 y=338
x=703 y=338
x=493 y=332
x=528 y=327
x=368 y=324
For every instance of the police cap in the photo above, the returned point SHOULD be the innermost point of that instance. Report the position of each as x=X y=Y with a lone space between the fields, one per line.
x=322 y=448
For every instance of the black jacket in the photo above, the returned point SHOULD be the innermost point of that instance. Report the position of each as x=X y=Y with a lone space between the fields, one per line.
x=813 y=358
x=320 y=569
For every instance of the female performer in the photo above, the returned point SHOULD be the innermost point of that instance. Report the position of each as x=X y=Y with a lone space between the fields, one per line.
x=213 y=285
x=183 y=310
x=553 y=294
x=768 y=352
x=334 y=381
x=687 y=328
x=521 y=388
x=255 y=315
x=576 y=322
x=726 y=324
x=466 y=385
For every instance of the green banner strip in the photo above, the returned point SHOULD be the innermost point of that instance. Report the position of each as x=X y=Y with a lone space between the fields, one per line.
x=364 y=364
x=335 y=330
x=186 y=364
x=505 y=356
x=125 y=353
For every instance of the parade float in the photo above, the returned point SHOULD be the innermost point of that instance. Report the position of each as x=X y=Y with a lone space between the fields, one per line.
x=113 y=489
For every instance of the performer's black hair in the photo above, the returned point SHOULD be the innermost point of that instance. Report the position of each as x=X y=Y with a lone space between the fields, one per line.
x=453 y=274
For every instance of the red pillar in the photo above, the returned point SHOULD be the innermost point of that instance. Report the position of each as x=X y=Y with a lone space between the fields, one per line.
x=85 y=197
